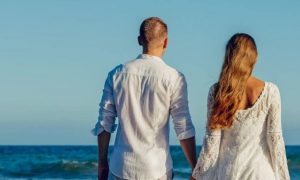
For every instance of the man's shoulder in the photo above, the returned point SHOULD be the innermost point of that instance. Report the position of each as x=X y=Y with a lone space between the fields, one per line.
x=174 y=70
x=134 y=64
x=116 y=69
x=173 y=73
x=121 y=67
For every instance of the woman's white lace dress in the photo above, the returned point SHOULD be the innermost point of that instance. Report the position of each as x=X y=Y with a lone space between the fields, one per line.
x=252 y=149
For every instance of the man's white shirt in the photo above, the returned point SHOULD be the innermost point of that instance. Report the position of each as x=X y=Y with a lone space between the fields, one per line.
x=143 y=93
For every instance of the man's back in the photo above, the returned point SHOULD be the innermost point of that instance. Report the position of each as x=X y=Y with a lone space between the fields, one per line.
x=142 y=97
x=142 y=90
x=145 y=92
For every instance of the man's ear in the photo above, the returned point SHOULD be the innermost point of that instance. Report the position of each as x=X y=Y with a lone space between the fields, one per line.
x=165 y=43
x=140 y=40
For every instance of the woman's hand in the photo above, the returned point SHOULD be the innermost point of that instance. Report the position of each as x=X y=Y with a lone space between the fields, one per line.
x=191 y=178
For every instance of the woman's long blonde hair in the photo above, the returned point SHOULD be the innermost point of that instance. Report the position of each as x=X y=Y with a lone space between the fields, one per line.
x=240 y=57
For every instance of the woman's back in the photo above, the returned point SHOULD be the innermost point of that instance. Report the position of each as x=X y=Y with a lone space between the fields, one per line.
x=253 y=147
x=243 y=137
x=253 y=90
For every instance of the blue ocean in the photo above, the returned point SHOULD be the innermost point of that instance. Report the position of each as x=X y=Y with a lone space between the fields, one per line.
x=80 y=162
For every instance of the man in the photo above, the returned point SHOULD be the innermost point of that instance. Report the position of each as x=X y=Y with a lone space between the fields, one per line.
x=143 y=93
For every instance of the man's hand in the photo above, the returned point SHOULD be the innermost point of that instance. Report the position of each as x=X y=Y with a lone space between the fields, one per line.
x=103 y=170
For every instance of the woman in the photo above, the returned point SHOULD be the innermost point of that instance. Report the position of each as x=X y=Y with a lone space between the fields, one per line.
x=243 y=137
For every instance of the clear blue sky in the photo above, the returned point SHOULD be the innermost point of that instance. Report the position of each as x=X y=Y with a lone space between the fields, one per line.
x=55 y=55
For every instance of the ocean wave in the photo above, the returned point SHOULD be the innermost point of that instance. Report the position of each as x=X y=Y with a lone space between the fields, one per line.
x=77 y=162
x=61 y=168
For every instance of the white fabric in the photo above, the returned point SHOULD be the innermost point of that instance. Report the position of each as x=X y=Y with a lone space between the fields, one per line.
x=252 y=149
x=167 y=176
x=143 y=93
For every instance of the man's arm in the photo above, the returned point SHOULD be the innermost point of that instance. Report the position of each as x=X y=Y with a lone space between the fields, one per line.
x=189 y=148
x=182 y=120
x=103 y=144
x=105 y=126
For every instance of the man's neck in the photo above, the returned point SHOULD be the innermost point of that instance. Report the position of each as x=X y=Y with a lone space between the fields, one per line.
x=158 y=53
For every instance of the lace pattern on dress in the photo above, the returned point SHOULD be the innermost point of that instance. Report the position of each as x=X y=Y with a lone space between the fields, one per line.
x=269 y=109
x=210 y=147
x=275 y=138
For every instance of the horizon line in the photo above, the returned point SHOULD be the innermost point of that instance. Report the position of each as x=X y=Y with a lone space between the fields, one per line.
x=91 y=145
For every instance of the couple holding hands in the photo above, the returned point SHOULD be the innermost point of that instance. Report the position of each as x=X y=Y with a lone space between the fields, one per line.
x=243 y=138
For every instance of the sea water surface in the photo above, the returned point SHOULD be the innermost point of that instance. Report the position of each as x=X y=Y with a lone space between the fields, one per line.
x=80 y=162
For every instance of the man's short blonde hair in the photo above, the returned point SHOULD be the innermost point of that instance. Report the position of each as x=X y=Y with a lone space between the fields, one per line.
x=153 y=30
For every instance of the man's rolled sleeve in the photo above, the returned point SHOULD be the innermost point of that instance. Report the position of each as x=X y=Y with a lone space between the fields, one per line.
x=107 y=110
x=179 y=109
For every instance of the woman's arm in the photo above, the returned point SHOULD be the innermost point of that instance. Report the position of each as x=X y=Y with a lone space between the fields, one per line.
x=275 y=139
x=210 y=148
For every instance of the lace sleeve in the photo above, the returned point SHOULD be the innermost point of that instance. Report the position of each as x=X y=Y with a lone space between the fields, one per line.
x=210 y=148
x=275 y=138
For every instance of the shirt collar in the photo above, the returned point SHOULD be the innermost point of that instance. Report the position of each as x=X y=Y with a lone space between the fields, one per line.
x=147 y=56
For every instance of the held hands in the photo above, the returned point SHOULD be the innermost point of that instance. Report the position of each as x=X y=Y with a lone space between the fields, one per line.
x=103 y=170
x=191 y=178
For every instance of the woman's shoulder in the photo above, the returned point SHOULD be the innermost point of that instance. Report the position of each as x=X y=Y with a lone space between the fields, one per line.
x=273 y=86
x=273 y=91
x=267 y=86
